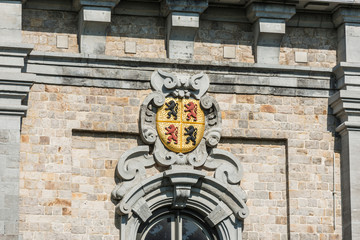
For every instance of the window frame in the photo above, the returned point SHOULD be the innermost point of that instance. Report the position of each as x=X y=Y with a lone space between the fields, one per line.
x=176 y=217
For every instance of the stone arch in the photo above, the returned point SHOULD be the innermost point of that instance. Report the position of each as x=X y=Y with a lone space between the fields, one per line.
x=222 y=206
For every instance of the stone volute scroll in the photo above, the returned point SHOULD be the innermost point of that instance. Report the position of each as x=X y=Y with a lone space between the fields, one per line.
x=180 y=125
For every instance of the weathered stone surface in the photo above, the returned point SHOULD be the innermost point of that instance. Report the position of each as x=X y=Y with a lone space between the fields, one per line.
x=93 y=22
x=83 y=173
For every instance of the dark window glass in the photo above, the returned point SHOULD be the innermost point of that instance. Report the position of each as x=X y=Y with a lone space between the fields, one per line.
x=160 y=230
x=192 y=231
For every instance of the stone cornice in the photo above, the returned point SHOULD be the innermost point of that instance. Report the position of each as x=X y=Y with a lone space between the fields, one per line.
x=108 y=71
x=14 y=87
x=346 y=14
x=348 y=126
x=95 y=3
x=273 y=11
x=347 y=75
x=194 y=6
x=346 y=105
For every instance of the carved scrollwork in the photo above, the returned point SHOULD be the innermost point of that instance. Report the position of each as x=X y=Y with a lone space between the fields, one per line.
x=168 y=83
x=227 y=167
x=161 y=80
x=133 y=162
x=162 y=156
x=212 y=134
x=148 y=131
x=198 y=157
x=200 y=83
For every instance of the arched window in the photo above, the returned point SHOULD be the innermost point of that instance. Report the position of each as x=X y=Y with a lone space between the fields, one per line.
x=182 y=224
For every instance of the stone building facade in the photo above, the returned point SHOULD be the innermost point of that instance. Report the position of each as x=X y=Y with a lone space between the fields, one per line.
x=74 y=75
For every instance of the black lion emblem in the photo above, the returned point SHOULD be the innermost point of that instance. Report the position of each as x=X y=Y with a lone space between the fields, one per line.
x=191 y=132
x=172 y=107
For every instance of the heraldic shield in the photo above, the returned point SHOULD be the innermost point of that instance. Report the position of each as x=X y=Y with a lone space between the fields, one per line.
x=180 y=124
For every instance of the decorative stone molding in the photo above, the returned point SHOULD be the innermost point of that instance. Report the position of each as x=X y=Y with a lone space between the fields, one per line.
x=78 y=4
x=269 y=28
x=182 y=25
x=346 y=106
x=10 y=24
x=94 y=18
x=14 y=88
x=208 y=196
x=195 y=6
x=13 y=55
x=219 y=198
x=347 y=21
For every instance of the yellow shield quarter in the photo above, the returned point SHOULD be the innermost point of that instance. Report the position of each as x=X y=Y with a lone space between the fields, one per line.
x=180 y=124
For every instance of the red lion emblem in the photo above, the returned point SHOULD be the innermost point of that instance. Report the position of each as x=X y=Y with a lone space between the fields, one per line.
x=173 y=132
x=192 y=109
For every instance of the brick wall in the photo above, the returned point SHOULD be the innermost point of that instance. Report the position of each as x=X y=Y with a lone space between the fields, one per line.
x=72 y=137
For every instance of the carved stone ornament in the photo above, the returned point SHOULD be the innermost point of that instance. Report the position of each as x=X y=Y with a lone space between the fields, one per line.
x=181 y=125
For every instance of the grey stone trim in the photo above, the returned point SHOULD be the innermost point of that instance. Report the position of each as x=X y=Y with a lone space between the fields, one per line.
x=133 y=73
x=346 y=106
x=207 y=195
x=181 y=31
x=346 y=15
x=269 y=28
x=93 y=22
x=271 y=11
x=14 y=87
x=193 y=6
x=78 y=4
x=181 y=25
x=10 y=21
x=350 y=168
x=347 y=76
x=12 y=56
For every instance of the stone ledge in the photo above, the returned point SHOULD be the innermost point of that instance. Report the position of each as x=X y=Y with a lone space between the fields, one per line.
x=113 y=72
x=346 y=126
x=53 y=58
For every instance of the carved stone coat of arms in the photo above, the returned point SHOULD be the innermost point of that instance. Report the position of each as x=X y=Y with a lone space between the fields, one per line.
x=181 y=127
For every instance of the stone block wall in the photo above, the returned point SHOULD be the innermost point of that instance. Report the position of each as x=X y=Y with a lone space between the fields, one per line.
x=148 y=33
x=50 y=30
x=43 y=28
x=213 y=36
x=319 y=43
x=72 y=137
